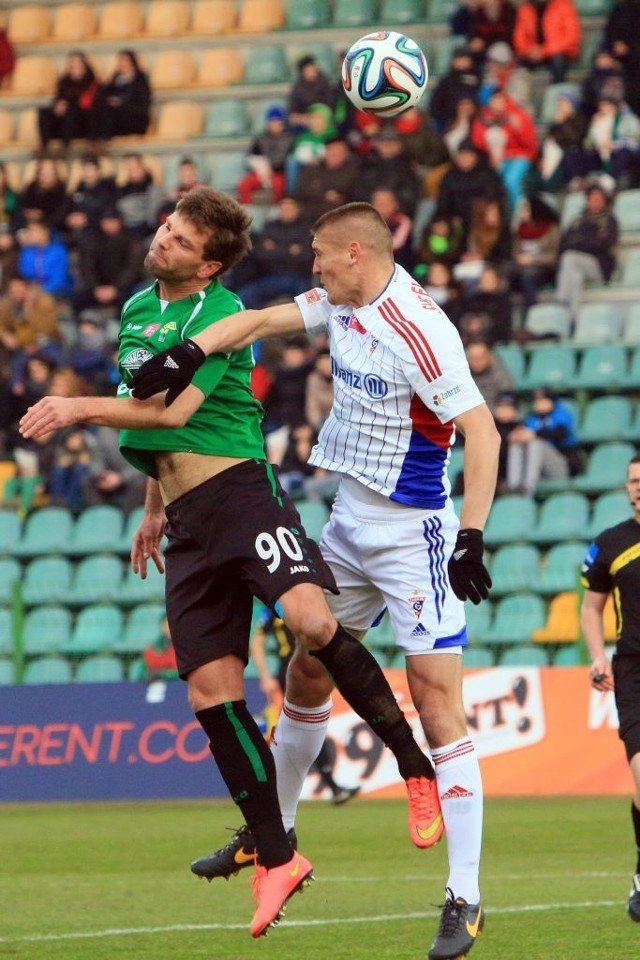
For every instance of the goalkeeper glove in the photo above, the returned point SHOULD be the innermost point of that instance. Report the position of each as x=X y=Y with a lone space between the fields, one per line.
x=468 y=576
x=172 y=370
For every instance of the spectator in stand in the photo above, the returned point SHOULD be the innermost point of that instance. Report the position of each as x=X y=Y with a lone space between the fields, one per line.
x=28 y=325
x=507 y=133
x=34 y=461
x=544 y=445
x=502 y=72
x=310 y=87
x=93 y=194
x=459 y=129
x=122 y=105
x=490 y=304
x=111 y=479
x=329 y=182
x=536 y=248
x=489 y=22
x=385 y=201
x=507 y=417
x=9 y=253
x=469 y=177
x=438 y=281
x=488 y=240
x=284 y=406
x=282 y=256
x=137 y=197
x=587 y=248
x=612 y=142
x=605 y=71
x=67 y=118
x=158 y=662
x=319 y=390
x=489 y=371
x=34 y=384
x=108 y=267
x=188 y=179
x=462 y=81
x=442 y=242
x=424 y=146
x=622 y=38
x=45 y=259
x=309 y=144
x=266 y=158
x=44 y=196
x=551 y=170
x=389 y=166
x=71 y=465
x=8 y=202
x=7 y=58
x=547 y=34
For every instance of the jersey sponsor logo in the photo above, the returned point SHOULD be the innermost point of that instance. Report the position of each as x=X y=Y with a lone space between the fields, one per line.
x=419 y=631
x=439 y=398
x=148 y=331
x=134 y=326
x=417 y=604
x=299 y=568
x=136 y=358
x=122 y=389
x=374 y=386
x=169 y=327
x=312 y=296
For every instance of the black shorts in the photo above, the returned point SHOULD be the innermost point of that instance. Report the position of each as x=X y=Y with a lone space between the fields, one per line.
x=626 y=676
x=232 y=538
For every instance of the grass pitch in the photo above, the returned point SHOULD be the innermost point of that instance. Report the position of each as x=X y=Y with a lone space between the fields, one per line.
x=112 y=882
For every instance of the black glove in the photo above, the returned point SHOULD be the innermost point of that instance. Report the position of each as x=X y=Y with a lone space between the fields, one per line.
x=468 y=576
x=172 y=370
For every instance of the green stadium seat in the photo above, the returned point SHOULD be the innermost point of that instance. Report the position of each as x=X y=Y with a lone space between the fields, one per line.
x=440 y=54
x=401 y=12
x=134 y=590
x=513 y=357
x=591 y=42
x=307 y=14
x=6 y=630
x=626 y=207
x=314 y=514
x=477 y=657
x=550 y=97
x=141 y=628
x=97 y=628
x=560 y=568
x=606 y=468
x=478 y=618
x=598 y=323
x=632 y=377
x=545 y=319
x=10 y=573
x=609 y=509
x=46 y=580
x=567 y=656
x=95 y=579
x=48 y=670
x=594 y=8
x=563 y=516
x=7 y=672
x=99 y=669
x=631 y=328
x=227 y=118
x=524 y=655
x=227 y=169
x=354 y=13
x=328 y=59
x=267 y=64
x=553 y=365
x=512 y=518
x=606 y=418
x=47 y=629
x=514 y=568
x=10 y=530
x=46 y=530
x=456 y=462
x=441 y=11
x=96 y=529
x=131 y=524
x=630 y=275
x=601 y=367
x=515 y=619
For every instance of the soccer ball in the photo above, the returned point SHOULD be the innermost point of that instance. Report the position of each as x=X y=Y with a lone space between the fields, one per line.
x=384 y=73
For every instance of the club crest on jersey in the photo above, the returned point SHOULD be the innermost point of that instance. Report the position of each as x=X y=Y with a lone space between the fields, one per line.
x=417 y=603
x=136 y=358
x=167 y=328
x=312 y=296
x=150 y=330
x=439 y=398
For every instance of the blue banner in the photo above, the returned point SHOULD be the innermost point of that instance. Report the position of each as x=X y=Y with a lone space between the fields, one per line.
x=106 y=741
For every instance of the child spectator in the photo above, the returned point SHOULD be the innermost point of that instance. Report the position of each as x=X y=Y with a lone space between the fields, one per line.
x=545 y=445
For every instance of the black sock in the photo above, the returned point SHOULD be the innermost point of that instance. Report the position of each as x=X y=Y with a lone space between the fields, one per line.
x=246 y=766
x=635 y=817
x=359 y=678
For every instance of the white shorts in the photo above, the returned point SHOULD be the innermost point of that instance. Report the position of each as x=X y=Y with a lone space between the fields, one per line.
x=385 y=554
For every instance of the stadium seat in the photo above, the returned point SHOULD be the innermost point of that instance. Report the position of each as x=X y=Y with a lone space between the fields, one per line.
x=48 y=670
x=97 y=627
x=166 y=18
x=401 y=12
x=630 y=276
x=227 y=168
x=212 y=17
x=560 y=568
x=121 y=20
x=632 y=376
x=562 y=623
x=99 y=669
x=34 y=76
x=260 y=16
x=456 y=462
x=439 y=56
x=142 y=628
x=599 y=323
x=609 y=509
x=134 y=590
x=478 y=619
x=220 y=67
x=524 y=655
x=515 y=619
x=441 y=11
x=46 y=580
x=514 y=568
x=550 y=366
x=172 y=70
x=354 y=13
x=631 y=329
x=7 y=126
x=544 y=319
x=593 y=8
x=26 y=133
x=314 y=515
x=563 y=516
x=550 y=97
x=567 y=656
x=179 y=120
x=97 y=528
x=10 y=531
x=95 y=580
x=131 y=524
x=267 y=64
x=6 y=630
x=512 y=518
x=572 y=206
x=590 y=44
x=46 y=530
x=606 y=468
x=606 y=418
x=513 y=357
x=601 y=367
x=626 y=207
x=74 y=22
x=10 y=573
x=477 y=657
x=227 y=118
x=7 y=672
x=307 y=14
x=47 y=629
x=29 y=24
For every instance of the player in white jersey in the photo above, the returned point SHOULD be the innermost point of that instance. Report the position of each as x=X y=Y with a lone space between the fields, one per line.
x=402 y=391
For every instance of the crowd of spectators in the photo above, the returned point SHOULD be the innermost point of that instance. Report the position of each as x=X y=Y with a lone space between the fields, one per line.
x=471 y=189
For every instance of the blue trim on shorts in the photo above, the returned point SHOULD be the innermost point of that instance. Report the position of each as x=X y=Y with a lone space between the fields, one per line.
x=432 y=533
x=458 y=639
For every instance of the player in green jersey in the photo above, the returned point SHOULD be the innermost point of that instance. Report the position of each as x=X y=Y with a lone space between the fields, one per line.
x=232 y=532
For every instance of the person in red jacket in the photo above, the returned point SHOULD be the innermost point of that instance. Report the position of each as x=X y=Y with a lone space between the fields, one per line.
x=547 y=33
x=507 y=133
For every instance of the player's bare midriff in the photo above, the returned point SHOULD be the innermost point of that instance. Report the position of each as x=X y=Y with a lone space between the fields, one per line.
x=180 y=472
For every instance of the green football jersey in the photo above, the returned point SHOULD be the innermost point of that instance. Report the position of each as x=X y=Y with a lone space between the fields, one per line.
x=228 y=422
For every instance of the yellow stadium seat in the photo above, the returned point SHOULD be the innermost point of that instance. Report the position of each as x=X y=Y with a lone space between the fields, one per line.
x=29 y=24
x=33 y=76
x=121 y=20
x=213 y=17
x=6 y=126
x=562 y=624
x=179 y=120
x=166 y=18
x=261 y=16
x=220 y=68
x=172 y=69
x=73 y=22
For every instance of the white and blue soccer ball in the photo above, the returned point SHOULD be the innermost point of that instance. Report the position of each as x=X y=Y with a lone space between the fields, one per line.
x=384 y=73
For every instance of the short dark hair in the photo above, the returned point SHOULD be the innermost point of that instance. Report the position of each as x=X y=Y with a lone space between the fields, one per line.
x=226 y=222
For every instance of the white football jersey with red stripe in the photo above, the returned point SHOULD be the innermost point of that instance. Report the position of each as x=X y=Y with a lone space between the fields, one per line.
x=400 y=376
